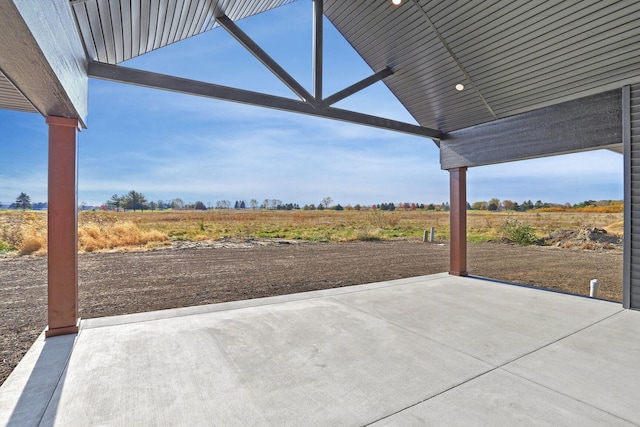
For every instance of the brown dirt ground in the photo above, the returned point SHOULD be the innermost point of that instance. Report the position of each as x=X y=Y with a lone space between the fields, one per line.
x=186 y=275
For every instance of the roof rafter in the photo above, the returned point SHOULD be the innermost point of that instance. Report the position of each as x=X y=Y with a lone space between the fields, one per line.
x=149 y=79
x=316 y=99
x=264 y=57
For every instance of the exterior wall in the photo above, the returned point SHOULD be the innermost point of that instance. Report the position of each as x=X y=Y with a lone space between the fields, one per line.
x=631 y=138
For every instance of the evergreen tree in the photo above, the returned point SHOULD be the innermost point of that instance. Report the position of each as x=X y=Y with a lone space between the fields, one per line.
x=23 y=201
x=135 y=201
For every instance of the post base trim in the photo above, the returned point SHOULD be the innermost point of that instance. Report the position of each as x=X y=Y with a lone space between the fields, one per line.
x=459 y=273
x=67 y=330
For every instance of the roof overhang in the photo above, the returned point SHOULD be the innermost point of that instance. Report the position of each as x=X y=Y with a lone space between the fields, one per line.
x=511 y=58
x=43 y=60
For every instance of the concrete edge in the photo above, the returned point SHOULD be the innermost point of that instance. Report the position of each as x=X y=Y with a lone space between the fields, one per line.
x=236 y=305
x=26 y=393
x=542 y=288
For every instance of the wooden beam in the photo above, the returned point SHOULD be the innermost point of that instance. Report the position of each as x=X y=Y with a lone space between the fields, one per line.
x=318 y=38
x=584 y=124
x=121 y=74
x=264 y=58
x=357 y=87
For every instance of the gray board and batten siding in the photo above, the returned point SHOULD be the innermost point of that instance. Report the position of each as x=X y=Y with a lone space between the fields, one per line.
x=631 y=139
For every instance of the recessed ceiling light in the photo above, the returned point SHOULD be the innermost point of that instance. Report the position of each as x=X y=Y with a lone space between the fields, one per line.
x=396 y=2
x=459 y=87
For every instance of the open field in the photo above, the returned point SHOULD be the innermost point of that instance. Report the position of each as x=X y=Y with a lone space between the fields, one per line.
x=161 y=260
x=25 y=232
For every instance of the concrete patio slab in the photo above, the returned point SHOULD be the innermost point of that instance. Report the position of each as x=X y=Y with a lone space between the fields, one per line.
x=502 y=399
x=598 y=365
x=437 y=349
x=488 y=320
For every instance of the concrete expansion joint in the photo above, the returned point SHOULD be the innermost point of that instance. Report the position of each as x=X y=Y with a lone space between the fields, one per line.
x=439 y=393
x=500 y=367
x=567 y=395
x=565 y=337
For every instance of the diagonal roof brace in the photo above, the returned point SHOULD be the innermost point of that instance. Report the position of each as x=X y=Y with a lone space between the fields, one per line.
x=132 y=76
x=264 y=57
x=357 y=87
x=316 y=100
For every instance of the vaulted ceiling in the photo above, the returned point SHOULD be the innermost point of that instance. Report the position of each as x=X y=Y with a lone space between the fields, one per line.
x=510 y=56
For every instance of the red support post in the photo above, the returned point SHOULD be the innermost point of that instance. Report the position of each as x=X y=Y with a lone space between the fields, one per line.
x=458 y=221
x=62 y=227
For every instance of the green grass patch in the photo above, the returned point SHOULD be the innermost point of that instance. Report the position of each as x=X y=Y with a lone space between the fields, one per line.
x=4 y=248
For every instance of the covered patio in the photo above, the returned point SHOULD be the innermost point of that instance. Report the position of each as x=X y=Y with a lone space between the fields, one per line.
x=489 y=82
x=431 y=350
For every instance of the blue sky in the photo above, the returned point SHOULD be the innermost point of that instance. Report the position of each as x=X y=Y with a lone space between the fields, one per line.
x=168 y=145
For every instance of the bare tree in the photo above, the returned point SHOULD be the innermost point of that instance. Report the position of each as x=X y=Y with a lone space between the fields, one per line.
x=177 y=203
x=326 y=202
x=223 y=204
x=275 y=203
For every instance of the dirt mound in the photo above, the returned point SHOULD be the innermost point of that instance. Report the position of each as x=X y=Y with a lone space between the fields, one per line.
x=586 y=238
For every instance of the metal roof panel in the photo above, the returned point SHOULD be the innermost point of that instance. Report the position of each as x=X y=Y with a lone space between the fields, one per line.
x=114 y=31
x=11 y=98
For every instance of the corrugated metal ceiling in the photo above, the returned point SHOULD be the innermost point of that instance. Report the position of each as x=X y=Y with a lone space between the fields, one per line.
x=512 y=56
x=117 y=30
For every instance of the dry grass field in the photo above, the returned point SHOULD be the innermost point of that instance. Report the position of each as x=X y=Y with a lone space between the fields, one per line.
x=225 y=255
x=25 y=232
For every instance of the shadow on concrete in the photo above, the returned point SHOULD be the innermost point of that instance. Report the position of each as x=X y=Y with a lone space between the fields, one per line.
x=47 y=375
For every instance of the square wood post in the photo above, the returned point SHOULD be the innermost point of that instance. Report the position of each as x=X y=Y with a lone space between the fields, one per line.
x=62 y=227
x=458 y=221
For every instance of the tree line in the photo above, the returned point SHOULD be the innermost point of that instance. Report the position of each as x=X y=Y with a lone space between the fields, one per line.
x=136 y=201
x=509 y=205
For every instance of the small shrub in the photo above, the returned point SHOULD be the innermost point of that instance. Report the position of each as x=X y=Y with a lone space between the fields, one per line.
x=367 y=236
x=31 y=244
x=518 y=232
